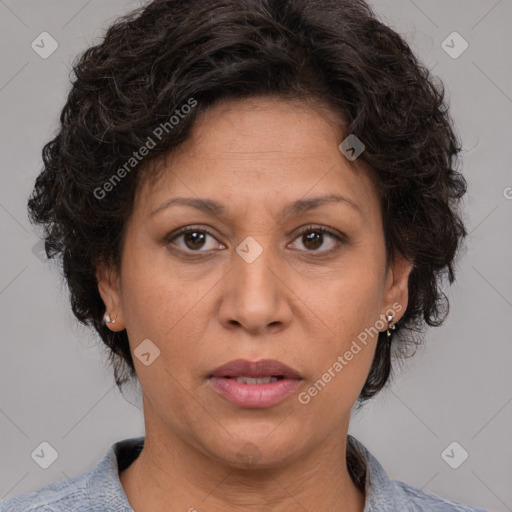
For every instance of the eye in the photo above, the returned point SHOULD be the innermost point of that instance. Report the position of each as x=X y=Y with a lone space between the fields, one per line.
x=313 y=238
x=193 y=240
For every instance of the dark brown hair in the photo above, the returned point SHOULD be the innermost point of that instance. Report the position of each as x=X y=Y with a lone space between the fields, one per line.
x=168 y=54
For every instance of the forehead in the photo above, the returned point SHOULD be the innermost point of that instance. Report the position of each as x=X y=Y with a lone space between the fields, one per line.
x=265 y=125
x=259 y=151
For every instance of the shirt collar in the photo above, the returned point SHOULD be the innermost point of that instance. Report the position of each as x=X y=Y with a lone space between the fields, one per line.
x=382 y=494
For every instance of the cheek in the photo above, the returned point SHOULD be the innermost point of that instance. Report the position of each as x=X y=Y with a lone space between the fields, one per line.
x=152 y=298
x=342 y=355
x=344 y=305
x=343 y=317
x=162 y=306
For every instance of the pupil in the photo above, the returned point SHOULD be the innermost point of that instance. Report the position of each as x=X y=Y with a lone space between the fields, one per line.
x=314 y=238
x=197 y=239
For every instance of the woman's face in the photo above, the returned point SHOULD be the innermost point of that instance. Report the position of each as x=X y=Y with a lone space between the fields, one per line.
x=249 y=286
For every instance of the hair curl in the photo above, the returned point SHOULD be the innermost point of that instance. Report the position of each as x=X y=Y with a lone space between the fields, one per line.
x=152 y=61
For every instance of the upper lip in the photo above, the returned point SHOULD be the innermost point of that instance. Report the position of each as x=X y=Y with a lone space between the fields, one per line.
x=261 y=368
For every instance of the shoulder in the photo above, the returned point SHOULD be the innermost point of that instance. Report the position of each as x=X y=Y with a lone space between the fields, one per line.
x=98 y=490
x=386 y=495
x=63 y=495
x=420 y=500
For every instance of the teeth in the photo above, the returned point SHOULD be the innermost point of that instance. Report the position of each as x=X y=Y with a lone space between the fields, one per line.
x=256 y=380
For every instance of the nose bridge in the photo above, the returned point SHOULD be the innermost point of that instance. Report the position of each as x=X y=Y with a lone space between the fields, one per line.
x=254 y=292
x=254 y=279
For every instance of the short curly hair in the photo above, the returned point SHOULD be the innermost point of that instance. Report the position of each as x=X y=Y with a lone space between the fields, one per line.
x=170 y=53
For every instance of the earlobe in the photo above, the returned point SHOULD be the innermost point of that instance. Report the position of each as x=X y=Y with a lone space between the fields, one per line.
x=109 y=289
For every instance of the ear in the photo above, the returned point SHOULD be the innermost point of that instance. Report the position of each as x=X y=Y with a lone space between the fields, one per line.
x=396 y=294
x=110 y=291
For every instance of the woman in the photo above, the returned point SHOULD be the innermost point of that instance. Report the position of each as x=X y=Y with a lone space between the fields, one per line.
x=255 y=203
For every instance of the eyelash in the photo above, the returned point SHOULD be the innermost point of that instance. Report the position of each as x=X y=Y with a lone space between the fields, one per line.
x=311 y=228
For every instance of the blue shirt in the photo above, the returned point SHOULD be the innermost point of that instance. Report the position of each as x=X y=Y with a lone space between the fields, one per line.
x=100 y=490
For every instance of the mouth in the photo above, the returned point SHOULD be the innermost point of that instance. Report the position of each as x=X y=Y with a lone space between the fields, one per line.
x=262 y=369
x=254 y=384
x=257 y=380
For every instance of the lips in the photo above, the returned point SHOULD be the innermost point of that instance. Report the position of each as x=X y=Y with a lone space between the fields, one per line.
x=255 y=369
x=254 y=384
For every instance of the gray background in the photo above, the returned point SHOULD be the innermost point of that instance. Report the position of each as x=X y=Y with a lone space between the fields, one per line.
x=55 y=385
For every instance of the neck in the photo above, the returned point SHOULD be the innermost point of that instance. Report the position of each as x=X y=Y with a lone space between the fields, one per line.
x=171 y=474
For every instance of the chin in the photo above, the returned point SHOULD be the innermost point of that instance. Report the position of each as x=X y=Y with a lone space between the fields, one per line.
x=258 y=452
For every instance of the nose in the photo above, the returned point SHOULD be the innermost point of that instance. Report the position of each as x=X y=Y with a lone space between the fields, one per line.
x=255 y=295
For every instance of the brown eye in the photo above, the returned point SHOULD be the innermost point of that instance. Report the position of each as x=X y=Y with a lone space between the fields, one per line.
x=194 y=239
x=315 y=239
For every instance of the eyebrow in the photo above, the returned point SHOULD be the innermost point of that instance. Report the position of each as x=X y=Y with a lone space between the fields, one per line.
x=296 y=207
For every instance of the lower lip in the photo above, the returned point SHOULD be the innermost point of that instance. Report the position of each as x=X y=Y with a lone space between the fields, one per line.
x=254 y=395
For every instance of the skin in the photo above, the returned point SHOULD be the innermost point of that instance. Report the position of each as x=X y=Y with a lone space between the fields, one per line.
x=295 y=303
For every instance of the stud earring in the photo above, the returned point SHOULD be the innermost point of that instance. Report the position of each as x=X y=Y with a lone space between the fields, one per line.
x=107 y=319
x=391 y=326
